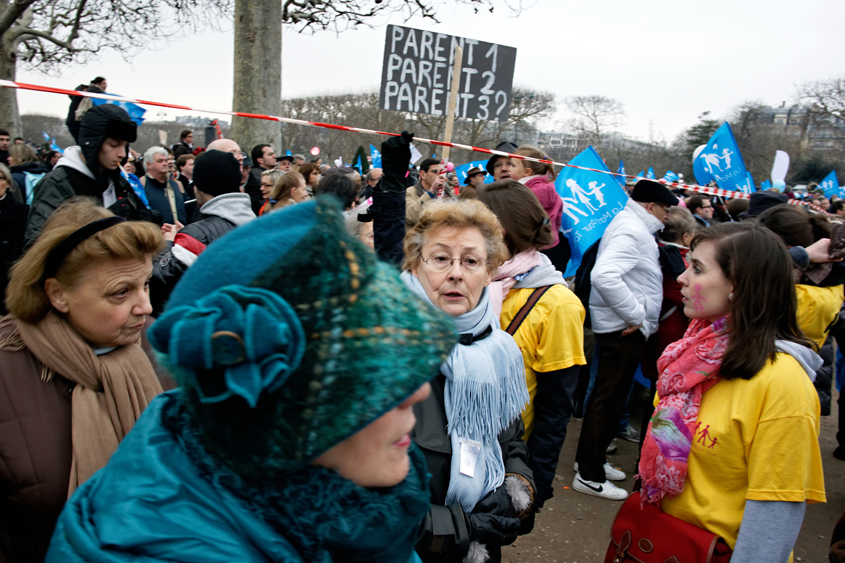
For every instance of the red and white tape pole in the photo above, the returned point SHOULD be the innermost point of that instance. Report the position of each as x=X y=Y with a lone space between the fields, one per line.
x=691 y=187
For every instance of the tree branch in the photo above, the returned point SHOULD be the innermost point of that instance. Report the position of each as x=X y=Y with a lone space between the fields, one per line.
x=13 y=13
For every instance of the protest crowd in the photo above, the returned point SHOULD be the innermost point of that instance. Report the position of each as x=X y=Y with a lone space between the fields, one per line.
x=226 y=353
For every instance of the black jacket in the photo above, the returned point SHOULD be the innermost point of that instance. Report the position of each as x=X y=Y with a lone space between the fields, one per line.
x=443 y=536
x=219 y=216
x=12 y=227
x=181 y=148
x=64 y=183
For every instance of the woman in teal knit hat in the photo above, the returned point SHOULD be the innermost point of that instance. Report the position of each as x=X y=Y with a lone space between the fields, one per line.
x=288 y=439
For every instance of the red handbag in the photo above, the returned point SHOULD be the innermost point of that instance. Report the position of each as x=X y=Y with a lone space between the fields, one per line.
x=652 y=536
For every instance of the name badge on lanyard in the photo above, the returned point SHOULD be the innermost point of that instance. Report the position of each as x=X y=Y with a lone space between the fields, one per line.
x=469 y=455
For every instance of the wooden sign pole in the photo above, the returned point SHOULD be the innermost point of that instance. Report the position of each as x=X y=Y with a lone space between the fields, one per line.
x=453 y=99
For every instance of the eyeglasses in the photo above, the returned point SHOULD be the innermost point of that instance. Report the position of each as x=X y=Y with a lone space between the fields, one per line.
x=442 y=262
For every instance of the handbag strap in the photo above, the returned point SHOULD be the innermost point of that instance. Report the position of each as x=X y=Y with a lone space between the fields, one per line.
x=523 y=312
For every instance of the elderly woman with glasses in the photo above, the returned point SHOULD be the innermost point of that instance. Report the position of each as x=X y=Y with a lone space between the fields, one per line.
x=469 y=428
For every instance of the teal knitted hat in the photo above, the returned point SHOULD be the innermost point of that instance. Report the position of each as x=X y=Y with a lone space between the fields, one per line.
x=288 y=336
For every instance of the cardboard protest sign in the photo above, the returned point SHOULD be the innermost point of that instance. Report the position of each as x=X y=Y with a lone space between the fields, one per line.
x=417 y=75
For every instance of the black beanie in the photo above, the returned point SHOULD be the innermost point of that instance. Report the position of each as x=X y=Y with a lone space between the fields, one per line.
x=217 y=173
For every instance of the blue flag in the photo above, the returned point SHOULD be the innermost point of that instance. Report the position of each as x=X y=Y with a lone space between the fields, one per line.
x=621 y=170
x=46 y=136
x=650 y=174
x=670 y=177
x=830 y=185
x=641 y=175
x=721 y=160
x=136 y=112
x=462 y=170
x=55 y=147
x=766 y=185
x=288 y=153
x=376 y=154
x=752 y=186
x=590 y=201
x=358 y=164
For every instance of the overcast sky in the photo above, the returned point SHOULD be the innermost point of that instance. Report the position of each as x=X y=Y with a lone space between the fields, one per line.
x=666 y=61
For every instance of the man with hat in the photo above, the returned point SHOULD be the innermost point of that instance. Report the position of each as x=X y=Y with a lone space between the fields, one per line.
x=222 y=206
x=475 y=177
x=284 y=163
x=500 y=166
x=92 y=169
x=627 y=292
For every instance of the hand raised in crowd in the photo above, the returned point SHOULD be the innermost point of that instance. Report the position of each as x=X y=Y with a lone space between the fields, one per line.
x=819 y=252
x=169 y=231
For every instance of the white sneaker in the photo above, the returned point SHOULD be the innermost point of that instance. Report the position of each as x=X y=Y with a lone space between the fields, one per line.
x=610 y=472
x=604 y=490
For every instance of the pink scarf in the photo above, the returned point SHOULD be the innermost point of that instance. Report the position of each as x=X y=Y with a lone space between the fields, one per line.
x=505 y=277
x=687 y=368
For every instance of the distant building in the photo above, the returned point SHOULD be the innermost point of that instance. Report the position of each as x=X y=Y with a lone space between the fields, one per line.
x=818 y=132
x=566 y=146
x=194 y=121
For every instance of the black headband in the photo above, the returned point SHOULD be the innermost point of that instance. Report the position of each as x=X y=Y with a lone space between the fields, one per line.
x=58 y=254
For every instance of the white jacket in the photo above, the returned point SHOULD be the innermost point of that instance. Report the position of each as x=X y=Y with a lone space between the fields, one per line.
x=627 y=280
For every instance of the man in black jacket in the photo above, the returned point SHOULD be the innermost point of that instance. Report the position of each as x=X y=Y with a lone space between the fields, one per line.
x=217 y=183
x=92 y=169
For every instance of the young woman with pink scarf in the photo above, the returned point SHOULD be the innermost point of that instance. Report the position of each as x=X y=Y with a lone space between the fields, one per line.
x=732 y=446
x=551 y=337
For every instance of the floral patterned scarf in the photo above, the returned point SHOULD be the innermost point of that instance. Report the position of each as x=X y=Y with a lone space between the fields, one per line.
x=688 y=368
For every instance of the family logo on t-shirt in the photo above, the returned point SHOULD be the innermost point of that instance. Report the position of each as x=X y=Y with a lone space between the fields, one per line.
x=703 y=436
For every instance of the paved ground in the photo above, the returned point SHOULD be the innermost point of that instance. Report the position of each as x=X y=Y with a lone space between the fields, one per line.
x=575 y=528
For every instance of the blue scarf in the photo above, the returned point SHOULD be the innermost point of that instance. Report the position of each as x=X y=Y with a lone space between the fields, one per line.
x=484 y=393
x=324 y=516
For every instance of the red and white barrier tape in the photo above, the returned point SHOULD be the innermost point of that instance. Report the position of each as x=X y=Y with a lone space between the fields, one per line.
x=691 y=187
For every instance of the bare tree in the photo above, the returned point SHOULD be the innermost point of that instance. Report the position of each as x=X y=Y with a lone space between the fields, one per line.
x=824 y=98
x=593 y=116
x=45 y=35
x=258 y=47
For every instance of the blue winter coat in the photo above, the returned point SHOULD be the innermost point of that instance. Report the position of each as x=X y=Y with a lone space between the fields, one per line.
x=151 y=504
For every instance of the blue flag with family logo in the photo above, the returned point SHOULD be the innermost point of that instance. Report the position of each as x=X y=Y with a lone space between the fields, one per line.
x=721 y=160
x=136 y=112
x=670 y=177
x=590 y=201
x=830 y=185
x=462 y=170
x=374 y=152
x=621 y=170
x=650 y=174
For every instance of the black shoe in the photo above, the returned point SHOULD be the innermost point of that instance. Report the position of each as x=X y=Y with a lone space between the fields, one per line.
x=839 y=453
x=578 y=411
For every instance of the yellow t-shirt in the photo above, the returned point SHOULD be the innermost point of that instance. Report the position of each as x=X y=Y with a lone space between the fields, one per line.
x=754 y=439
x=818 y=308
x=551 y=337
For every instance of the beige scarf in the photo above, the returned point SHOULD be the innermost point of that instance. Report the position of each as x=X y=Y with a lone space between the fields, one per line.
x=111 y=390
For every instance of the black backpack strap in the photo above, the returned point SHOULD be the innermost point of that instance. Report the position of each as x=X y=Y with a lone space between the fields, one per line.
x=520 y=316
